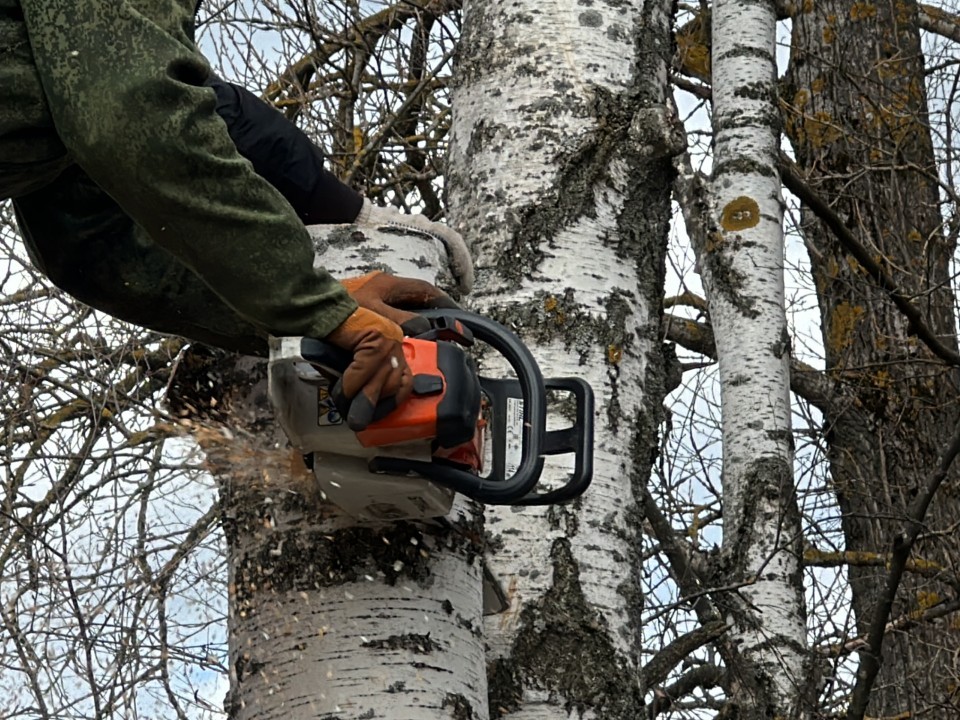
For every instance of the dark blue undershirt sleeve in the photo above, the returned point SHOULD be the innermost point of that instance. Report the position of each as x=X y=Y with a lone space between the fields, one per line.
x=285 y=157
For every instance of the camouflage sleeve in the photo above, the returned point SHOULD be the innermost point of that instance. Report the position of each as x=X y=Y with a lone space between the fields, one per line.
x=124 y=83
x=88 y=246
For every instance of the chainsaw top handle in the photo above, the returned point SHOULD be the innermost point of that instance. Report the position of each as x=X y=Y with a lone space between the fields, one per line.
x=493 y=491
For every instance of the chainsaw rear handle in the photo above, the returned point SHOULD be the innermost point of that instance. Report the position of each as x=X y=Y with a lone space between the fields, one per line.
x=507 y=491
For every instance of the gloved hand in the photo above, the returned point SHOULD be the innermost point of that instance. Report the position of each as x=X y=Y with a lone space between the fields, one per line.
x=458 y=256
x=392 y=296
x=378 y=373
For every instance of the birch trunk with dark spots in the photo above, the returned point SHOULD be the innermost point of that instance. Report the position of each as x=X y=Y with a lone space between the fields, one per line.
x=329 y=617
x=856 y=109
x=742 y=269
x=559 y=176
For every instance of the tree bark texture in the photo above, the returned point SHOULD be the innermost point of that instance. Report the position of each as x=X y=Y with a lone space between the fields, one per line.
x=742 y=263
x=559 y=176
x=330 y=618
x=856 y=110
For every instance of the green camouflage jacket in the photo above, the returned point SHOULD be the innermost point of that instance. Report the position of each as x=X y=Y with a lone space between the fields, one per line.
x=129 y=192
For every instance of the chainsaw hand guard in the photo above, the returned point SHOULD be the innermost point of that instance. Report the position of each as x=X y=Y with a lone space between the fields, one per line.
x=513 y=480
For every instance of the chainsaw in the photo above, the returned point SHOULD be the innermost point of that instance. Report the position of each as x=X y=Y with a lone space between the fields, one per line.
x=459 y=432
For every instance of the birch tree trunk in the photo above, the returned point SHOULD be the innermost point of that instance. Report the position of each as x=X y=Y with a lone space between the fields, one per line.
x=742 y=267
x=559 y=175
x=329 y=618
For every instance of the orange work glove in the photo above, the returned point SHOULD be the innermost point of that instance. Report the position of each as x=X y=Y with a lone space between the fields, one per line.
x=378 y=375
x=393 y=297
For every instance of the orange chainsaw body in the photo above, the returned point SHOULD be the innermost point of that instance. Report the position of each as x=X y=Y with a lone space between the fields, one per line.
x=424 y=415
x=416 y=419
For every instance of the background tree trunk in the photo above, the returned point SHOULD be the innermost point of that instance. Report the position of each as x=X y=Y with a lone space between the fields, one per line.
x=857 y=117
x=559 y=175
x=742 y=263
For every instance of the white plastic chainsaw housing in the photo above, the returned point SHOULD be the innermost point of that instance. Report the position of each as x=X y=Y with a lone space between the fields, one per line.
x=300 y=397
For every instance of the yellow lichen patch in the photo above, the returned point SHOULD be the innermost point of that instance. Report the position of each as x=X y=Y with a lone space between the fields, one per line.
x=881 y=379
x=807 y=6
x=914 y=236
x=614 y=354
x=693 y=532
x=801 y=98
x=927 y=599
x=828 y=34
x=843 y=324
x=552 y=306
x=891 y=68
x=714 y=242
x=862 y=11
x=818 y=84
x=740 y=214
x=922 y=565
x=856 y=267
x=905 y=12
x=833 y=267
x=693 y=47
x=820 y=130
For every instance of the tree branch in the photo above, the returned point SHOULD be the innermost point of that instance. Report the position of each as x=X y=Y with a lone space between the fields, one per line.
x=376 y=25
x=805 y=380
x=939 y=21
x=660 y=665
x=705 y=676
x=813 y=557
x=902 y=545
x=904 y=622
x=795 y=183
x=687 y=578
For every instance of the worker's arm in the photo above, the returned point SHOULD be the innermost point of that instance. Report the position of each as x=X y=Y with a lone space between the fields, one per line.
x=88 y=246
x=125 y=86
x=283 y=155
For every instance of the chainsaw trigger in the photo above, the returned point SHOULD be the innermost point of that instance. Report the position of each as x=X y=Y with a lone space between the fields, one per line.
x=358 y=412
x=425 y=384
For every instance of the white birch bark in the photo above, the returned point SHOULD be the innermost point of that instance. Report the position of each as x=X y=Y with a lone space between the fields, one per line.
x=557 y=176
x=743 y=273
x=329 y=618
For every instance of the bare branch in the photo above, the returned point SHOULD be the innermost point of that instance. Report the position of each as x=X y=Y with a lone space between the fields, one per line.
x=299 y=73
x=904 y=622
x=795 y=183
x=939 y=21
x=813 y=557
x=660 y=665
x=704 y=676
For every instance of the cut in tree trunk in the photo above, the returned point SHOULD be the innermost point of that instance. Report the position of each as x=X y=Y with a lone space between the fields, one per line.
x=331 y=618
